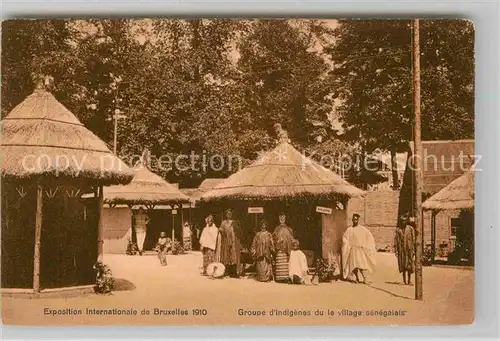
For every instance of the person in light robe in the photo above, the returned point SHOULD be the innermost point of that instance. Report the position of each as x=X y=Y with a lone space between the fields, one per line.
x=282 y=237
x=230 y=246
x=262 y=252
x=298 y=271
x=358 y=251
x=141 y=221
x=186 y=236
x=208 y=242
x=404 y=246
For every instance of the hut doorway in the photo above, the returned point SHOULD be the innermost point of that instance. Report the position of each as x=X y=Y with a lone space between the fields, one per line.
x=161 y=221
x=464 y=247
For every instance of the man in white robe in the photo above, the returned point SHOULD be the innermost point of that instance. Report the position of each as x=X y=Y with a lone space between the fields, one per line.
x=208 y=243
x=358 y=251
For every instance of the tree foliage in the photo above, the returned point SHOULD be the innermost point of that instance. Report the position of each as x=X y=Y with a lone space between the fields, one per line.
x=218 y=86
x=373 y=72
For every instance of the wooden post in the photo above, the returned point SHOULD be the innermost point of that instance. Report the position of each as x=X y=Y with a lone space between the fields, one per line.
x=433 y=235
x=173 y=222
x=182 y=214
x=38 y=235
x=100 y=226
x=417 y=162
x=182 y=224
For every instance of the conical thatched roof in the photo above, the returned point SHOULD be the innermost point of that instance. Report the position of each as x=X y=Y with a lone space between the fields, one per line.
x=40 y=137
x=458 y=194
x=146 y=188
x=282 y=173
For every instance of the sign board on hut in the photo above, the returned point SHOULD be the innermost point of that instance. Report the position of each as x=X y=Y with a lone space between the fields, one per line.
x=174 y=212
x=324 y=210
x=256 y=210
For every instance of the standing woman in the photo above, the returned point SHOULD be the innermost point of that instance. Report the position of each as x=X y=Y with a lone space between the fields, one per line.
x=404 y=245
x=230 y=248
x=283 y=237
x=208 y=242
x=262 y=252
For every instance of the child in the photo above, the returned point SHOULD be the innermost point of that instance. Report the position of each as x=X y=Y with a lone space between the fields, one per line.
x=163 y=245
x=298 y=269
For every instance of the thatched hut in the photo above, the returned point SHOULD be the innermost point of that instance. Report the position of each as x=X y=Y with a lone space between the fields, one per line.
x=151 y=191
x=457 y=195
x=284 y=179
x=51 y=236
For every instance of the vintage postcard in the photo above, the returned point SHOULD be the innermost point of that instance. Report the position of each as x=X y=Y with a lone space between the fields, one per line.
x=237 y=172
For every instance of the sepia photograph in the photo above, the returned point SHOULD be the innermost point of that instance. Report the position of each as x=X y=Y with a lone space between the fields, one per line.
x=191 y=172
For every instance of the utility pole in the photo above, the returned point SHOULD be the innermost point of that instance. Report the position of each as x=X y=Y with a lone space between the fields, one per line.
x=116 y=117
x=417 y=162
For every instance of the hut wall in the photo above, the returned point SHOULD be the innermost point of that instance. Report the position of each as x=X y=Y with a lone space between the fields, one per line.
x=333 y=228
x=18 y=235
x=68 y=247
x=117 y=224
x=444 y=239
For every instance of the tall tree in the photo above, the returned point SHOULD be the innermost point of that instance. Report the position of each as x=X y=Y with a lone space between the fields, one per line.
x=24 y=44
x=285 y=77
x=372 y=70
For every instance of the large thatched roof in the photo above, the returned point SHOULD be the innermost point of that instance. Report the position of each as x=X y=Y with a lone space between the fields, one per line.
x=146 y=188
x=458 y=194
x=40 y=137
x=195 y=193
x=282 y=173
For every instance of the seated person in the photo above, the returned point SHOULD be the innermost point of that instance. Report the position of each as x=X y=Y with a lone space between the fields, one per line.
x=298 y=269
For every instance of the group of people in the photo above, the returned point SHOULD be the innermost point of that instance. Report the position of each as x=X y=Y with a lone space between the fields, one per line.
x=276 y=255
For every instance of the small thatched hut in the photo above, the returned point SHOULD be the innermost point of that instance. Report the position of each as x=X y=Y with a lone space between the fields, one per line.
x=457 y=195
x=284 y=179
x=151 y=191
x=51 y=235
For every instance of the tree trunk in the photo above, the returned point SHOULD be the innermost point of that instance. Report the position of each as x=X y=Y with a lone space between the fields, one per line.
x=394 y=168
x=196 y=25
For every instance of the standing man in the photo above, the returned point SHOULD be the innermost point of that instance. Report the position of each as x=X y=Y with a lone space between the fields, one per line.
x=283 y=237
x=230 y=252
x=141 y=221
x=208 y=242
x=358 y=251
x=404 y=246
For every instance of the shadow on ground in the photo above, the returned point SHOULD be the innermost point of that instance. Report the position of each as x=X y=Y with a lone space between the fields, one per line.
x=390 y=293
x=122 y=284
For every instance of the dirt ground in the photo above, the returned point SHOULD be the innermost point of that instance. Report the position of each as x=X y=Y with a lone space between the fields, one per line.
x=178 y=295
